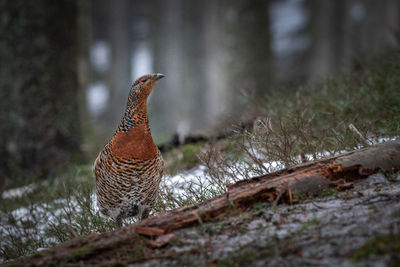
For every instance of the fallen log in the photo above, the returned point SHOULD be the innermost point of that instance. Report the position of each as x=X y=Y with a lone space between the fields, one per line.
x=308 y=179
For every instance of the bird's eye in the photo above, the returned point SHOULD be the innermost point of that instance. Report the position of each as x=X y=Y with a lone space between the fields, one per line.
x=142 y=80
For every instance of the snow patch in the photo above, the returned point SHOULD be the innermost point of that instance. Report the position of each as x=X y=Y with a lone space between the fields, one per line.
x=18 y=192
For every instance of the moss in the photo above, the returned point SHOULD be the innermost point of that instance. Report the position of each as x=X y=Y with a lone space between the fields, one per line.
x=239 y=258
x=189 y=153
x=260 y=207
x=185 y=157
x=137 y=254
x=247 y=255
x=304 y=196
x=308 y=224
x=311 y=222
x=82 y=251
x=38 y=255
x=396 y=214
x=299 y=196
x=380 y=245
x=328 y=192
x=391 y=176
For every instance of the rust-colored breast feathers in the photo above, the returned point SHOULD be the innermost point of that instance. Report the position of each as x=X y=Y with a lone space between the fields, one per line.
x=136 y=143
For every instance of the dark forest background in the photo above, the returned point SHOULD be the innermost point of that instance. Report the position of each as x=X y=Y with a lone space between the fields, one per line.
x=66 y=66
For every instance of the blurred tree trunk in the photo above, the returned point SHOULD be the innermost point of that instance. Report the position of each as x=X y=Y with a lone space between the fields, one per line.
x=194 y=68
x=188 y=41
x=248 y=43
x=83 y=74
x=120 y=39
x=112 y=30
x=343 y=29
x=216 y=94
x=39 y=120
x=99 y=33
x=380 y=24
x=327 y=20
x=167 y=38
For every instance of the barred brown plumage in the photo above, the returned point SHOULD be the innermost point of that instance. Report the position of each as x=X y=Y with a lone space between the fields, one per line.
x=129 y=169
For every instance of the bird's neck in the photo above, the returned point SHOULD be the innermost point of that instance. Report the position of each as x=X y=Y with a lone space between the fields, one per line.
x=135 y=114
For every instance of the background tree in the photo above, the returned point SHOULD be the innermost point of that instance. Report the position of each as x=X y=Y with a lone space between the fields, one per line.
x=39 y=122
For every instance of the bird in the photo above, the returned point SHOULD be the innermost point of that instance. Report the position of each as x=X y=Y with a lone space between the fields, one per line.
x=129 y=168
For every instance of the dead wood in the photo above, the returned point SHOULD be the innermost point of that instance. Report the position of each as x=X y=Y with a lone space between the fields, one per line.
x=310 y=178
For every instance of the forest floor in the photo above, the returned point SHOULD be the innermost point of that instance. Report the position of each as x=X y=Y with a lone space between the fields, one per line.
x=356 y=226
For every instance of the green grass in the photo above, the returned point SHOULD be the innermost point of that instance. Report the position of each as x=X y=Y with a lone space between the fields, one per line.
x=379 y=246
x=328 y=192
x=183 y=158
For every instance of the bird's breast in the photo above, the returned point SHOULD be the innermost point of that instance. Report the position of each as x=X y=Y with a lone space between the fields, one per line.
x=136 y=143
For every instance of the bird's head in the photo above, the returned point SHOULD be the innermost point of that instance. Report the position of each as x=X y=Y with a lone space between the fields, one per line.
x=143 y=86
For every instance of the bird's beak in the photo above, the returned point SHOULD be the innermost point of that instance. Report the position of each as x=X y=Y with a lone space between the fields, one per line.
x=159 y=76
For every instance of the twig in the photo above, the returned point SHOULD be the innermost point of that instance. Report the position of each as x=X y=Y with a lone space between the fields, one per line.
x=318 y=206
x=290 y=197
x=72 y=231
x=281 y=192
x=360 y=136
